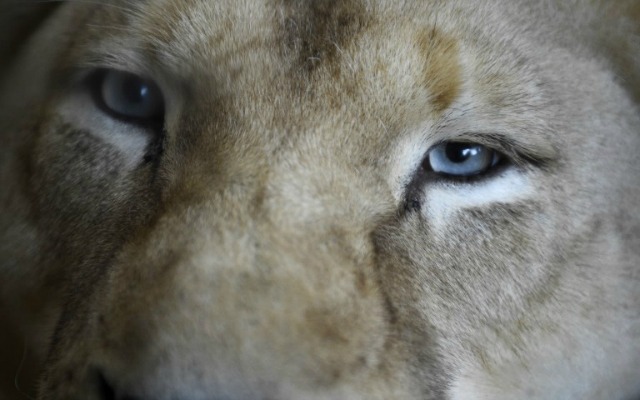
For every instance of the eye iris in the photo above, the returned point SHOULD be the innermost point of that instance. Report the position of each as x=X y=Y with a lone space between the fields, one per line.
x=461 y=159
x=130 y=97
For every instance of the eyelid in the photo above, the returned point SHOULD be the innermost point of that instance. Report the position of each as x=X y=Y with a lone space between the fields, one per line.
x=519 y=152
x=77 y=75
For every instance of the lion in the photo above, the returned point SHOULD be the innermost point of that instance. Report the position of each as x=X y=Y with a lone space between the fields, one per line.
x=320 y=199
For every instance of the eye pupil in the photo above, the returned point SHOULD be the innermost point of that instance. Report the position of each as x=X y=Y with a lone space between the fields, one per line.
x=461 y=152
x=134 y=90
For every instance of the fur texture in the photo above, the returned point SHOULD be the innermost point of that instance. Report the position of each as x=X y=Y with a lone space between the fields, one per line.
x=281 y=238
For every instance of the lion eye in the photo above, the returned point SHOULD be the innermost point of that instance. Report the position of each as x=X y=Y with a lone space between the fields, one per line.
x=129 y=97
x=461 y=159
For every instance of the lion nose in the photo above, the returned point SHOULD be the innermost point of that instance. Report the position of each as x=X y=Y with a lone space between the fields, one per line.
x=106 y=390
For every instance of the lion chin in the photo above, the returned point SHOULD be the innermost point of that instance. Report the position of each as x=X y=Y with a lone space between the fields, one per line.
x=319 y=200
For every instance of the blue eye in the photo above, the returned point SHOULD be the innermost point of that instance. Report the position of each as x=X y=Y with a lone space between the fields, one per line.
x=461 y=159
x=129 y=97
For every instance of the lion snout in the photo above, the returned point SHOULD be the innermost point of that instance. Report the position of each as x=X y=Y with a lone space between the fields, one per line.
x=212 y=315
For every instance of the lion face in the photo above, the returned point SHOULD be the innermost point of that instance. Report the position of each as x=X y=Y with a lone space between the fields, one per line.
x=324 y=200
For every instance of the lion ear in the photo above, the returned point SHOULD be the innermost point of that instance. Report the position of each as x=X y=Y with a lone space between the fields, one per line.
x=18 y=20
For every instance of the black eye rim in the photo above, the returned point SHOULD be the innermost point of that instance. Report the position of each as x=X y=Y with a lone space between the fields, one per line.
x=502 y=162
x=95 y=81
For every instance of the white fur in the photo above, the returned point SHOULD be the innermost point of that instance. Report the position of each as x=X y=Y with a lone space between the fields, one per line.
x=444 y=199
x=131 y=142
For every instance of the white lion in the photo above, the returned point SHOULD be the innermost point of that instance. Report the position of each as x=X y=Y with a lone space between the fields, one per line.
x=320 y=199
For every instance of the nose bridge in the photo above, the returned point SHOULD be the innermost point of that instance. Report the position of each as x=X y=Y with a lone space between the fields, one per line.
x=324 y=180
x=299 y=237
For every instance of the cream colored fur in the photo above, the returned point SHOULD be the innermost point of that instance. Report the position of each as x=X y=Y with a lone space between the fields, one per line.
x=273 y=249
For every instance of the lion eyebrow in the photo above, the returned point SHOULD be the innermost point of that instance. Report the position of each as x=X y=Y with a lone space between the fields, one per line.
x=110 y=44
x=123 y=57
